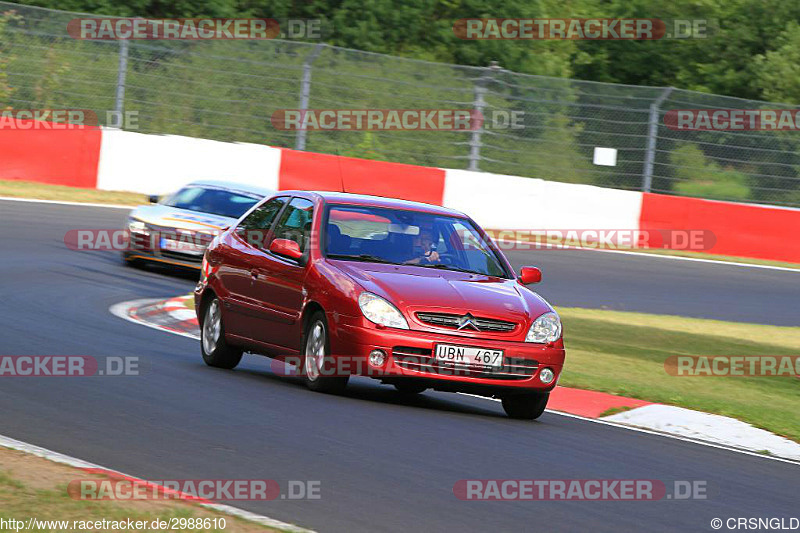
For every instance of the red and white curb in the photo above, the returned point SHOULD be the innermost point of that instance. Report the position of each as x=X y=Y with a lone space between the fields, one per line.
x=718 y=431
x=709 y=427
x=90 y=468
x=170 y=315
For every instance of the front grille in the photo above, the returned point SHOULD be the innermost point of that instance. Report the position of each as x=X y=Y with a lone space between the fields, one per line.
x=447 y=320
x=422 y=360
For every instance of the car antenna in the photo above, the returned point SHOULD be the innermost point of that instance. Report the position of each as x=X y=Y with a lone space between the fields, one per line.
x=341 y=175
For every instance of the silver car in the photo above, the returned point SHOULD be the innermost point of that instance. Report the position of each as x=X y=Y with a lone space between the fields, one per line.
x=176 y=229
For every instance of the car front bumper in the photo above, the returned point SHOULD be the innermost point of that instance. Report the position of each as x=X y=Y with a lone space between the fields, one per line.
x=409 y=356
x=148 y=247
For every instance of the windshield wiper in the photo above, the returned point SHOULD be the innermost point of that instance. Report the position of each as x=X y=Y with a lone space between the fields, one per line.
x=361 y=257
x=445 y=267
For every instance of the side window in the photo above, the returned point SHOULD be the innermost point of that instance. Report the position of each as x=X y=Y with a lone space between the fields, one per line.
x=254 y=228
x=295 y=223
x=478 y=258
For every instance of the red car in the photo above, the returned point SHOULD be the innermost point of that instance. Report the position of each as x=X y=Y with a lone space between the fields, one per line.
x=414 y=295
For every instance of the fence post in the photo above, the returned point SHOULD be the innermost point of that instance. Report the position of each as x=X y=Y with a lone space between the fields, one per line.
x=305 y=92
x=478 y=104
x=652 y=134
x=119 y=99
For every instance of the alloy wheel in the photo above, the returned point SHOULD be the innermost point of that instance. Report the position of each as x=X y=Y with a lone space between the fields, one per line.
x=212 y=326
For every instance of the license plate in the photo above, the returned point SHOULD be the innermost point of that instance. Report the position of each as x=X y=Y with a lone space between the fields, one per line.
x=469 y=355
x=181 y=246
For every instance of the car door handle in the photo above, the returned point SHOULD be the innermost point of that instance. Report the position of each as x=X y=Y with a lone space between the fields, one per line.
x=254 y=274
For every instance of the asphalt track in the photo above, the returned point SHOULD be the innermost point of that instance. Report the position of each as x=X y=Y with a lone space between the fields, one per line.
x=384 y=463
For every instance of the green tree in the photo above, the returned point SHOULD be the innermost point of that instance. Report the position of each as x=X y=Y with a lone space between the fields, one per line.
x=778 y=71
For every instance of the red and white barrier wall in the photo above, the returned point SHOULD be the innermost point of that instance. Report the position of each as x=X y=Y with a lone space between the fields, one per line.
x=158 y=164
x=498 y=201
x=61 y=157
x=743 y=230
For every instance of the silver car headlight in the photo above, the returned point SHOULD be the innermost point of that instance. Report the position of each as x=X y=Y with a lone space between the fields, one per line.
x=546 y=328
x=136 y=226
x=379 y=311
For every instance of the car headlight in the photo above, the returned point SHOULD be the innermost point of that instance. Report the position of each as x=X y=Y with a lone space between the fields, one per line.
x=378 y=310
x=136 y=226
x=546 y=328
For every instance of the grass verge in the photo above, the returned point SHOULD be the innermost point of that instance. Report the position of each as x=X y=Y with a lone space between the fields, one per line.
x=624 y=353
x=34 y=487
x=44 y=191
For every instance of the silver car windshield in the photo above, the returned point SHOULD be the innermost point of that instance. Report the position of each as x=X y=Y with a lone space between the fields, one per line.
x=211 y=200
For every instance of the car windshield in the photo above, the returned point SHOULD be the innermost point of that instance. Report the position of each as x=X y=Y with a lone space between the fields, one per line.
x=213 y=200
x=406 y=237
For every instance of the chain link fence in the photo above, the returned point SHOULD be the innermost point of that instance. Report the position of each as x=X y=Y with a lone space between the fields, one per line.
x=228 y=90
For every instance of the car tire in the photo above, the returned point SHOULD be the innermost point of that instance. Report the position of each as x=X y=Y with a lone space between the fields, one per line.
x=216 y=351
x=316 y=346
x=405 y=387
x=525 y=406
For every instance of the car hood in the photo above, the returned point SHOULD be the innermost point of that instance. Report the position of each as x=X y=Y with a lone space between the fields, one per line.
x=171 y=217
x=414 y=289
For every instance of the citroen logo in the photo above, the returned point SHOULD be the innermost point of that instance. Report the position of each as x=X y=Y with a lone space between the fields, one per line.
x=466 y=321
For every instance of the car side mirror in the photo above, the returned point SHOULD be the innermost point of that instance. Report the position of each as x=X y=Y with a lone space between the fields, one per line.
x=286 y=248
x=529 y=275
x=153 y=198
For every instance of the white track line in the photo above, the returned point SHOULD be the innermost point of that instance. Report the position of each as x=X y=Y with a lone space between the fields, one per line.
x=579 y=248
x=62 y=202
x=682 y=258
x=56 y=457
x=120 y=310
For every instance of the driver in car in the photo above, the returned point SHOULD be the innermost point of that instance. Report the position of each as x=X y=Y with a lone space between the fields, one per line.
x=424 y=248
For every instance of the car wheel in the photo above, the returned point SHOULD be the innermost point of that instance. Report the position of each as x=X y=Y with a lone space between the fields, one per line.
x=405 y=387
x=216 y=351
x=525 y=406
x=316 y=346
